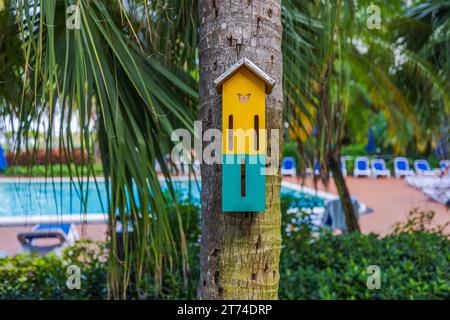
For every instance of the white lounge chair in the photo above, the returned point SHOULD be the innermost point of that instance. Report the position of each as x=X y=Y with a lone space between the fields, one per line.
x=439 y=194
x=185 y=168
x=65 y=233
x=379 y=168
x=288 y=167
x=443 y=164
x=158 y=167
x=181 y=166
x=197 y=168
x=334 y=217
x=317 y=168
x=401 y=167
x=362 y=167
x=343 y=167
x=422 y=167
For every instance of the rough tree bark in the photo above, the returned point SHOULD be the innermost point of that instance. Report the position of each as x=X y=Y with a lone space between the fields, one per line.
x=239 y=251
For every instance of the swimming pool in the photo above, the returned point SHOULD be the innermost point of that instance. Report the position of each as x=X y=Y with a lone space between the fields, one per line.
x=38 y=200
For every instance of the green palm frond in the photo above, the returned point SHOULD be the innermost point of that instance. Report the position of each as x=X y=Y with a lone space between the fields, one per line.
x=133 y=98
x=336 y=34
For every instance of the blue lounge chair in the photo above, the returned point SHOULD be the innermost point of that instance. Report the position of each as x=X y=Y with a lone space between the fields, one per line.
x=317 y=168
x=401 y=167
x=362 y=167
x=379 y=168
x=288 y=167
x=343 y=168
x=443 y=164
x=65 y=234
x=422 y=167
x=3 y=162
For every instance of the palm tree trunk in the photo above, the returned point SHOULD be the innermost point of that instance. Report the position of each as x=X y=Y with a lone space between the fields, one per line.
x=239 y=251
x=350 y=216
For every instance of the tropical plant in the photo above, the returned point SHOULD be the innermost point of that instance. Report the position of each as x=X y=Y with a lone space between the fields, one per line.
x=413 y=262
x=345 y=66
x=424 y=32
x=317 y=93
x=129 y=76
x=132 y=94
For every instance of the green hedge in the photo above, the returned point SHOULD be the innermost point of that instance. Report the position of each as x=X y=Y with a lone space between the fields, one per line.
x=51 y=170
x=354 y=150
x=28 y=276
x=414 y=264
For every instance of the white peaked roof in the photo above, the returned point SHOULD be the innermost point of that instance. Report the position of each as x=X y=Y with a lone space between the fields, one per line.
x=251 y=66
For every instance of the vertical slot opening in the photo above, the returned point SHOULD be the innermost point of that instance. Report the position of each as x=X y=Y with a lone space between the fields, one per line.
x=243 y=178
x=230 y=132
x=256 y=125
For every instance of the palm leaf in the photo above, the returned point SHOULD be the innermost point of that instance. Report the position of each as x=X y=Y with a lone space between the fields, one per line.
x=135 y=99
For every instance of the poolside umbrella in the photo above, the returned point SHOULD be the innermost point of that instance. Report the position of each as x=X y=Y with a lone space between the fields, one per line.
x=3 y=163
x=370 y=147
x=441 y=151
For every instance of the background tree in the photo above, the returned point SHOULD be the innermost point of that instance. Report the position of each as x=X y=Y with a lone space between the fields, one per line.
x=343 y=66
x=316 y=90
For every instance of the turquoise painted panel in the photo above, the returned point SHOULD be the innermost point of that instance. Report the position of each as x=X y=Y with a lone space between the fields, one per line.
x=243 y=187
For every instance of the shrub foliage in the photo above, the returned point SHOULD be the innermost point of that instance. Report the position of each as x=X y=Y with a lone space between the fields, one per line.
x=414 y=264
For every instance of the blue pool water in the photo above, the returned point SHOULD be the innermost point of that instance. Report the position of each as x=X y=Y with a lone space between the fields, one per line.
x=39 y=198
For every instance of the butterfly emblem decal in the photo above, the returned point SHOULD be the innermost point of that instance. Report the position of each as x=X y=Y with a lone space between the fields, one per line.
x=244 y=97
